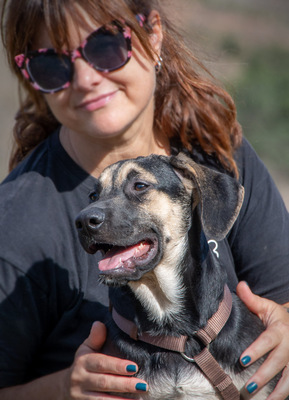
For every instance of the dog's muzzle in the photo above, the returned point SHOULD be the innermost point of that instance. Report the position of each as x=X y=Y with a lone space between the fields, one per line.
x=121 y=254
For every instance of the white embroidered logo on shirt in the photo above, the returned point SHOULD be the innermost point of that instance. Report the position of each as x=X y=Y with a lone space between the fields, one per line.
x=215 y=248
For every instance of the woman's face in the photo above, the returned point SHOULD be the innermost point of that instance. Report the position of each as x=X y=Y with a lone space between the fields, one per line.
x=104 y=105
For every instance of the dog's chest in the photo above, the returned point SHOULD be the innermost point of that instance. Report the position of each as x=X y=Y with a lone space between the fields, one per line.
x=175 y=379
x=182 y=384
x=187 y=384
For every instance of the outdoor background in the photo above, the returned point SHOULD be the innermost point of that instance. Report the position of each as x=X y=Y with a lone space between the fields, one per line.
x=245 y=44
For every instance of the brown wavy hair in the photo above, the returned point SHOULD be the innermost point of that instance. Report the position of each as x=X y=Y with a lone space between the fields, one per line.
x=189 y=106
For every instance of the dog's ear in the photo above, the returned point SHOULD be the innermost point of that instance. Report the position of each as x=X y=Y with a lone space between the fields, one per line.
x=220 y=196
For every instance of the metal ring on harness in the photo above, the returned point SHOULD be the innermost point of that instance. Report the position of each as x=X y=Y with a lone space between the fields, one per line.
x=190 y=359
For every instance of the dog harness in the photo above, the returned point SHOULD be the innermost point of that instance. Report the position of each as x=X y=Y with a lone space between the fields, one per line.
x=205 y=361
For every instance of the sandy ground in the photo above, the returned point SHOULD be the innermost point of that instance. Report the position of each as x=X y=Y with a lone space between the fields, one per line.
x=194 y=14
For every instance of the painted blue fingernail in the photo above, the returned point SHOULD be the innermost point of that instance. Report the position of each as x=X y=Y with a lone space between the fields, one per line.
x=131 y=368
x=245 y=360
x=141 y=386
x=252 y=387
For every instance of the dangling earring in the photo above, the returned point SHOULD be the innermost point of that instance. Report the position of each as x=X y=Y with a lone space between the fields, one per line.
x=159 y=64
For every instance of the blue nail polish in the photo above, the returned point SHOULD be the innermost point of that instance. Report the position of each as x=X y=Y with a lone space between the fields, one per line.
x=245 y=360
x=141 y=386
x=131 y=368
x=252 y=387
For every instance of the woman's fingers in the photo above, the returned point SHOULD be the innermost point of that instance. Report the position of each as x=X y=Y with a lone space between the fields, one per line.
x=274 y=341
x=92 y=385
x=95 y=340
x=113 y=383
x=100 y=396
x=254 y=303
x=272 y=338
x=87 y=356
x=94 y=374
x=274 y=363
x=282 y=389
x=103 y=364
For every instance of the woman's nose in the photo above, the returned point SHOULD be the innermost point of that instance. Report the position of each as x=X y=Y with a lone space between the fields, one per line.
x=84 y=75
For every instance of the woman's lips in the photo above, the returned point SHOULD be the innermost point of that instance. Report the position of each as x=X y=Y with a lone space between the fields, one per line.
x=97 y=102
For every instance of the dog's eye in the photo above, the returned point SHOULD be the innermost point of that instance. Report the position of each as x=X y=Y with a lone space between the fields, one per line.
x=139 y=186
x=93 y=196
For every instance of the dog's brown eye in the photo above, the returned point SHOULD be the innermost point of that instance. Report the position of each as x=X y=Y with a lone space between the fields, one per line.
x=139 y=186
x=93 y=196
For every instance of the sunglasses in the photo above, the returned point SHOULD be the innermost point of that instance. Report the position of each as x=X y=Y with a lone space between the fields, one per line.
x=106 y=49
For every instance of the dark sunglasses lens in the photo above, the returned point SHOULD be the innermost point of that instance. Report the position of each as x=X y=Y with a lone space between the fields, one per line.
x=106 y=49
x=50 y=71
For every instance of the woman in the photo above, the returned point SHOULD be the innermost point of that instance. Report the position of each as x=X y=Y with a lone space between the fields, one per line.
x=118 y=83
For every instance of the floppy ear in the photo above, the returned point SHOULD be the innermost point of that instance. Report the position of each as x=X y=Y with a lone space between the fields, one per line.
x=220 y=196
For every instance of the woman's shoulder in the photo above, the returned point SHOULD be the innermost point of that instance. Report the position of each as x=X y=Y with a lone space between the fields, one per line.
x=48 y=165
x=249 y=163
x=43 y=160
x=37 y=161
x=250 y=166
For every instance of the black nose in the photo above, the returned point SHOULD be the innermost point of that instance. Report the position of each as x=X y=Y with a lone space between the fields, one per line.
x=90 y=220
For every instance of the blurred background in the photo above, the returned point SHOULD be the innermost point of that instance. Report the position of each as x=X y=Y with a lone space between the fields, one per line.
x=245 y=44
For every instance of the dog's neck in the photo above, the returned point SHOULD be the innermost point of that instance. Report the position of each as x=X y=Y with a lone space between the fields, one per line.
x=161 y=292
x=179 y=294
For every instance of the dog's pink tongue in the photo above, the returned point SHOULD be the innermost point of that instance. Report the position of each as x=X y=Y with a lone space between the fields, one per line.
x=115 y=257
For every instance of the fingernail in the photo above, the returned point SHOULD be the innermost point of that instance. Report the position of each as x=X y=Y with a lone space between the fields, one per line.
x=131 y=368
x=245 y=360
x=141 y=386
x=252 y=387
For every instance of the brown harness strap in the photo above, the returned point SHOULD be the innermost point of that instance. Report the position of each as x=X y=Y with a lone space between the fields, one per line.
x=206 y=362
x=216 y=323
x=172 y=343
x=216 y=375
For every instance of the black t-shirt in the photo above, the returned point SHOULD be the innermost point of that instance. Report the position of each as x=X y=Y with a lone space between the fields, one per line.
x=49 y=290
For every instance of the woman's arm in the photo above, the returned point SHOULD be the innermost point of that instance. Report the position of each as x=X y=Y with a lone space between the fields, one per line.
x=260 y=246
x=91 y=376
x=274 y=341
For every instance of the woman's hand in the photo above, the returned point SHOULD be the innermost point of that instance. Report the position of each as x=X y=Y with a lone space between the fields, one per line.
x=274 y=340
x=93 y=374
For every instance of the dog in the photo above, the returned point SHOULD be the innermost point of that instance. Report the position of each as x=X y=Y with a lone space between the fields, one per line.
x=151 y=217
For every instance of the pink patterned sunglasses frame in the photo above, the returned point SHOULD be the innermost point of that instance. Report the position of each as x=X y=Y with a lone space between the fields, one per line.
x=23 y=60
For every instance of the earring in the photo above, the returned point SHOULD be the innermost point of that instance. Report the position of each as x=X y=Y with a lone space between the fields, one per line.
x=159 y=64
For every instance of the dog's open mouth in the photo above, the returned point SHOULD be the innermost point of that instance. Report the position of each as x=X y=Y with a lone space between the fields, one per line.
x=126 y=257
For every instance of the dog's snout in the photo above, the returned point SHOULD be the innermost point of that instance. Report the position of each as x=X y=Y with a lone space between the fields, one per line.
x=90 y=220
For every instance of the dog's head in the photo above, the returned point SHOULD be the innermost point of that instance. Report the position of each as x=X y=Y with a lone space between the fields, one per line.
x=141 y=213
